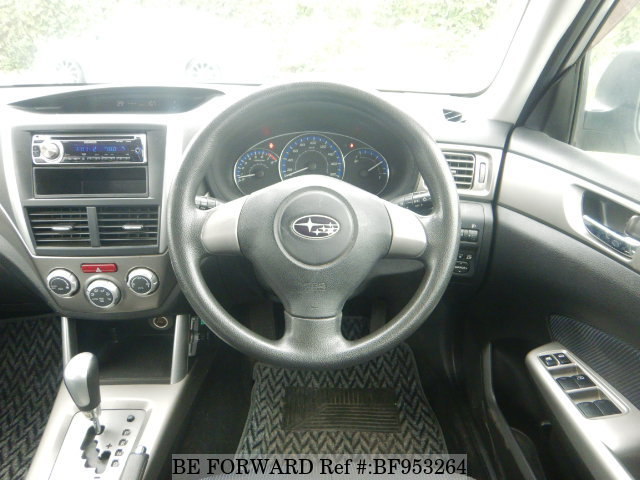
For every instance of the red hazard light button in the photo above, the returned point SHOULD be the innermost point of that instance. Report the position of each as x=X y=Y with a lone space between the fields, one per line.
x=99 y=267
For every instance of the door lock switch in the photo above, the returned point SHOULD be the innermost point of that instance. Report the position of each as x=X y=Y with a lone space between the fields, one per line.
x=583 y=381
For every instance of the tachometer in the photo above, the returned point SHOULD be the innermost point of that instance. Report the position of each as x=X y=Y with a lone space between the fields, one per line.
x=311 y=154
x=366 y=168
x=256 y=169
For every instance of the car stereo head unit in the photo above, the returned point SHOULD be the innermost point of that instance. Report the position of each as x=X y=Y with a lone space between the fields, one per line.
x=88 y=149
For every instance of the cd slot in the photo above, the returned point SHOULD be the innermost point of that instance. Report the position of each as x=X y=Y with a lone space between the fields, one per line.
x=90 y=181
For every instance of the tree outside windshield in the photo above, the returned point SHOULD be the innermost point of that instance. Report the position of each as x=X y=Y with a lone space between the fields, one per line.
x=422 y=45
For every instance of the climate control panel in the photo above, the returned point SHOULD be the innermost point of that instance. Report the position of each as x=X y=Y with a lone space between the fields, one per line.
x=113 y=285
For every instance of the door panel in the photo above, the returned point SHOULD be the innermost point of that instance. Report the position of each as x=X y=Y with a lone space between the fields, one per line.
x=550 y=263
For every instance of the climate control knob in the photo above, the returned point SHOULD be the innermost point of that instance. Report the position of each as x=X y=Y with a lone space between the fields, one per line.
x=62 y=282
x=103 y=293
x=142 y=281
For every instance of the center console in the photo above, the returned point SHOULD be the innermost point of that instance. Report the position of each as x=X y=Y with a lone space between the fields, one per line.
x=89 y=203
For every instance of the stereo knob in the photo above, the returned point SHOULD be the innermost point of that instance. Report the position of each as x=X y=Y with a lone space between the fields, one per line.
x=51 y=152
x=142 y=281
x=103 y=293
x=62 y=282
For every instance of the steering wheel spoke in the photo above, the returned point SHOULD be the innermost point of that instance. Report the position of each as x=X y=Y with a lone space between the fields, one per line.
x=219 y=232
x=408 y=232
x=313 y=337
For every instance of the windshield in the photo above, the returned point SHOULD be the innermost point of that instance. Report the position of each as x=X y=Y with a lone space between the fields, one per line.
x=453 y=46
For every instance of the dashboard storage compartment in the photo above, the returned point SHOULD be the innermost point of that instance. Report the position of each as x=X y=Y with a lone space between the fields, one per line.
x=108 y=181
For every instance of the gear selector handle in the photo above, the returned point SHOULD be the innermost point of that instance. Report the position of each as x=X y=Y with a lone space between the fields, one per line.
x=82 y=380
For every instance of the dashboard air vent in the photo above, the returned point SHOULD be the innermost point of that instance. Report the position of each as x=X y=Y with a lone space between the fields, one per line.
x=128 y=226
x=453 y=116
x=59 y=226
x=462 y=166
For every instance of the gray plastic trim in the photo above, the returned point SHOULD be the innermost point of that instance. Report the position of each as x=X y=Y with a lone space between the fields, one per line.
x=408 y=236
x=180 y=356
x=69 y=339
x=220 y=230
x=165 y=406
x=610 y=445
x=554 y=197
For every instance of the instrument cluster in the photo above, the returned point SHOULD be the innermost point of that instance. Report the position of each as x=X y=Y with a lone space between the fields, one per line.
x=311 y=153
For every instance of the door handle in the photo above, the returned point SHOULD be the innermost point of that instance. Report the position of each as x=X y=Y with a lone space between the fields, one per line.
x=621 y=243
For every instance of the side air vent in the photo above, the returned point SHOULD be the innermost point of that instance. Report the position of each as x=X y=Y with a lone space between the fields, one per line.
x=59 y=226
x=453 y=116
x=462 y=166
x=128 y=226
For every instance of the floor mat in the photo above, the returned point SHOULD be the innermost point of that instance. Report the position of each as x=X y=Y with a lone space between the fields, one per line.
x=30 y=375
x=375 y=407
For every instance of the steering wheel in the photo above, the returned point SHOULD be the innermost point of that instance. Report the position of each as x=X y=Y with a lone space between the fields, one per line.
x=313 y=239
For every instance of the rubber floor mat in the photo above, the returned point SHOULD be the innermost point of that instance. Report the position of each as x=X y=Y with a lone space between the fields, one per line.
x=30 y=375
x=300 y=411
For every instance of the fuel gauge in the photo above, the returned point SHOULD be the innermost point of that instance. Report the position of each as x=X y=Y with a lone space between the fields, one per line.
x=367 y=169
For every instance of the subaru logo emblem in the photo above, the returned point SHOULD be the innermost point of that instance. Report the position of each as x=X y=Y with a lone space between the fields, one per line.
x=315 y=226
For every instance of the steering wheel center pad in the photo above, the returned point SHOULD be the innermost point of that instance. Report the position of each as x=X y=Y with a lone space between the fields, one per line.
x=313 y=245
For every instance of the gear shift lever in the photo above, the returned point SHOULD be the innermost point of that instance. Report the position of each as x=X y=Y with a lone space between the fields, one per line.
x=83 y=383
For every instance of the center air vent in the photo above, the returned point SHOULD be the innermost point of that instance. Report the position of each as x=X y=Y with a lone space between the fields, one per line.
x=462 y=166
x=59 y=226
x=127 y=226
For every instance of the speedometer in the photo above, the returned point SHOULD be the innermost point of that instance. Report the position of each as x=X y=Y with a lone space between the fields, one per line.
x=310 y=154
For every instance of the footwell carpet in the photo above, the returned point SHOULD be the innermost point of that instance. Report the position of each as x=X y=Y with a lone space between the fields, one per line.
x=376 y=407
x=30 y=375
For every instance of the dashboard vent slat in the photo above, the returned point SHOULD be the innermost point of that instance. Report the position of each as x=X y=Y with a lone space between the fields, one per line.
x=462 y=166
x=59 y=226
x=453 y=116
x=115 y=226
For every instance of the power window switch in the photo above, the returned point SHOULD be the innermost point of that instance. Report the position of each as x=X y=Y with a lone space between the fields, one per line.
x=589 y=409
x=562 y=358
x=607 y=407
x=567 y=383
x=583 y=381
x=548 y=360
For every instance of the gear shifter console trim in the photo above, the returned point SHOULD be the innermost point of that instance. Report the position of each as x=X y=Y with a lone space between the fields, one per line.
x=602 y=425
x=87 y=455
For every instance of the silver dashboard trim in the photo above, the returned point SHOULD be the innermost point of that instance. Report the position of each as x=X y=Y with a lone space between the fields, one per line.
x=487 y=164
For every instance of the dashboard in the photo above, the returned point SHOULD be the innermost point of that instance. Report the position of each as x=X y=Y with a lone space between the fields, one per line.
x=83 y=214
